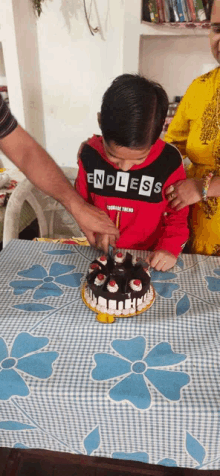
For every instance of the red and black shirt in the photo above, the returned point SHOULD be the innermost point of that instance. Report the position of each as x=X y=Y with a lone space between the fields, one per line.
x=135 y=200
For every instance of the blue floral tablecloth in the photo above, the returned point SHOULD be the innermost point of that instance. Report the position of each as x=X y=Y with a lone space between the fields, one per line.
x=145 y=388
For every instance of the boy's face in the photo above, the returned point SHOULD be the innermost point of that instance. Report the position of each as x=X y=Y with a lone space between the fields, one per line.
x=124 y=157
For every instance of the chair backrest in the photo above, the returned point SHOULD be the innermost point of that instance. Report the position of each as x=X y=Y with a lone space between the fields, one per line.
x=53 y=220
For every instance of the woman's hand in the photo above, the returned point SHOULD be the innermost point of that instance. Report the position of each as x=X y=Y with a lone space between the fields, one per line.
x=161 y=260
x=184 y=192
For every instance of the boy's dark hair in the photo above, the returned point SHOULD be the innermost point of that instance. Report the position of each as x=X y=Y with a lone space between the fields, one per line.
x=133 y=111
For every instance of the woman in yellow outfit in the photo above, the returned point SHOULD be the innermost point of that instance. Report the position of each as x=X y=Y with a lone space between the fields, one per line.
x=195 y=130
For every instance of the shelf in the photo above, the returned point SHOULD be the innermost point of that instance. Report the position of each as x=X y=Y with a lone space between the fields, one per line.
x=174 y=29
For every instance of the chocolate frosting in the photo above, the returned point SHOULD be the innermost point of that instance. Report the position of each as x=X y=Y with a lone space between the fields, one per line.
x=122 y=273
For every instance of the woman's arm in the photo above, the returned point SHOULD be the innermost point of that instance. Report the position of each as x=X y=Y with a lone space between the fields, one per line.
x=45 y=174
x=214 y=187
x=189 y=191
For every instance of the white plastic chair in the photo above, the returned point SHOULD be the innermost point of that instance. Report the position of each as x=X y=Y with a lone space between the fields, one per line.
x=53 y=220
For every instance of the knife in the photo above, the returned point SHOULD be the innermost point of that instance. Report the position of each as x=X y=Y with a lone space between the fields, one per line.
x=110 y=251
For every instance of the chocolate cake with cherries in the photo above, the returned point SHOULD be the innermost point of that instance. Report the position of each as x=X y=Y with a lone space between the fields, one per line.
x=118 y=285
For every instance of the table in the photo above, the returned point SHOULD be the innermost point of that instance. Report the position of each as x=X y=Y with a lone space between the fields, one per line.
x=145 y=388
x=26 y=462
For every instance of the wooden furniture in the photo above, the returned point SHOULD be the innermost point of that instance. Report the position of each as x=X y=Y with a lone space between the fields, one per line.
x=17 y=462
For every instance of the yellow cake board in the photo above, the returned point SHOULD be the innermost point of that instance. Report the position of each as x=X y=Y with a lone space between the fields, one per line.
x=106 y=318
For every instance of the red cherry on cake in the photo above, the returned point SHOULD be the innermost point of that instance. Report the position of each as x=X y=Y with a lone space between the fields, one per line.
x=119 y=257
x=112 y=286
x=137 y=282
x=94 y=266
x=112 y=283
x=102 y=258
x=100 y=279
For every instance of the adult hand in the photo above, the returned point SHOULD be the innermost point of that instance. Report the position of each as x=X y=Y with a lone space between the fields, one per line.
x=103 y=241
x=161 y=260
x=91 y=220
x=184 y=192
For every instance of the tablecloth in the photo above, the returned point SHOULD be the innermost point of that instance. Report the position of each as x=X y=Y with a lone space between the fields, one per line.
x=145 y=388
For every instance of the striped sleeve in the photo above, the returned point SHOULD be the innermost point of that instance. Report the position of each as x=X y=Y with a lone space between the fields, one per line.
x=7 y=122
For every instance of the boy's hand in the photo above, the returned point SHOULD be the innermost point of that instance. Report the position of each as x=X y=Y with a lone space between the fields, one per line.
x=161 y=260
x=103 y=241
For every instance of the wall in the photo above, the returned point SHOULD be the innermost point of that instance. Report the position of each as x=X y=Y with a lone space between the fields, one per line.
x=75 y=69
x=2 y=67
x=57 y=71
x=20 y=63
x=175 y=61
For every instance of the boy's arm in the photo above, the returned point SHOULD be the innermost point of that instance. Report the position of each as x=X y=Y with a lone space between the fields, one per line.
x=175 y=230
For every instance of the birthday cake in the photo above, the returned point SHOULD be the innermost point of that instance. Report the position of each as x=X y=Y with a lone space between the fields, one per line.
x=118 y=285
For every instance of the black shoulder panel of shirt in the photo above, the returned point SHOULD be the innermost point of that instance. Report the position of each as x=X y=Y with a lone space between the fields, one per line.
x=143 y=184
x=7 y=121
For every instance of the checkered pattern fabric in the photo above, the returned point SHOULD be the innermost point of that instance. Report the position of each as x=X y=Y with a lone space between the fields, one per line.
x=144 y=388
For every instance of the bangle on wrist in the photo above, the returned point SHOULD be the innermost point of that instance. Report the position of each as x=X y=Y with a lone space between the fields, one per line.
x=205 y=186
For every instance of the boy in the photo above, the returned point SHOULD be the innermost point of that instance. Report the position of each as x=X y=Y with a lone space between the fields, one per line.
x=126 y=171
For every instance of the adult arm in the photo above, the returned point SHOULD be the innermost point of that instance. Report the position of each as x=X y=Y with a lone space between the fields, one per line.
x=188 y=192
x=103 y=239
x=45 y=174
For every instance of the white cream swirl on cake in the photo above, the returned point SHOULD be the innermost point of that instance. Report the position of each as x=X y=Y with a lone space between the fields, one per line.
x=94 y=266
x=100 y=279
x=112 y=286
x=119 y=257
x=103 y=260
x=135 y=284
x=118 y=286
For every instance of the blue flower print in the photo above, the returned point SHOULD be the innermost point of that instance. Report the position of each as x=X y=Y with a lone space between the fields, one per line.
x=164 y=289
x=138 y=371
x=24 y=357
x=213 y=283
x=143 y=457
x=37 y=277
x=140 y=456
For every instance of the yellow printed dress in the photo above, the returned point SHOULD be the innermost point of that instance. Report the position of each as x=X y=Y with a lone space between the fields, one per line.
x=195 y=130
